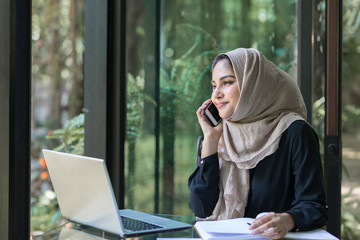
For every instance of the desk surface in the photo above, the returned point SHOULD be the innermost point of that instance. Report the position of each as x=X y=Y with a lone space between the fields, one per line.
x=70 y=231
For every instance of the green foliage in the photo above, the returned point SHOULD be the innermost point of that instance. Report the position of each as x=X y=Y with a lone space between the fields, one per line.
x=318 y=121
x=71 y=136
x=350 y=214
x=351 y=118
x=350 y=217
x=319 y=116
x=136 y=97
x=57 y=75
x=186 y=78
x=351 y=40
x=195 y=32
x=351 y=105
x=44 y=212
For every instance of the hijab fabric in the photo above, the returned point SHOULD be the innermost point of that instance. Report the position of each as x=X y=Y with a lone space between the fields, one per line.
x=269 y=102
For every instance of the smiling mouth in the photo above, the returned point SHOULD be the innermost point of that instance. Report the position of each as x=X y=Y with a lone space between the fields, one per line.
x=220 y=105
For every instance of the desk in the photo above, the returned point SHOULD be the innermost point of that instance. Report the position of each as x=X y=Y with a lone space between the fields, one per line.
x=72 y=231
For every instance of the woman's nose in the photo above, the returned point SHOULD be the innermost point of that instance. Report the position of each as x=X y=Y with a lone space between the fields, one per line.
x=217 y=93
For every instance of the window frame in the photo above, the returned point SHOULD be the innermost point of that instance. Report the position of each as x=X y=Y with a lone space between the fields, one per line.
x=109 y=59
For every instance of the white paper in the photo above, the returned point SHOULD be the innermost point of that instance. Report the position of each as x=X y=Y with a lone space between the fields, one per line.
x=231 y=226
x=227 y=229
x=318 y=234
x=179 y=238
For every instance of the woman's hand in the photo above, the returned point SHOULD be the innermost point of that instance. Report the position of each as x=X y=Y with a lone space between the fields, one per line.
x=211 y=134
x=272 y=225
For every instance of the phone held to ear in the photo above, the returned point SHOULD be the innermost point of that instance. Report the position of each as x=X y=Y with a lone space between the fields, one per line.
x=212 y=115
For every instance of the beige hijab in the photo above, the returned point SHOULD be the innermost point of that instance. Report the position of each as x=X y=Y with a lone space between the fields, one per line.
x=269 y=102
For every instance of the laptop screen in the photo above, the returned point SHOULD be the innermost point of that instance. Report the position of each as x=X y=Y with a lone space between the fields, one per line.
x=83 y=190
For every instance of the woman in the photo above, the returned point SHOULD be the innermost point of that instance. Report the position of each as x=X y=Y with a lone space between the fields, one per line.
x=263 y=156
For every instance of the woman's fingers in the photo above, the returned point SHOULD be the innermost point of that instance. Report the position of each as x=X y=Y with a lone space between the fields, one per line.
x=200 y=114
x=270 y=225
x=202 y=107
x=260 y=220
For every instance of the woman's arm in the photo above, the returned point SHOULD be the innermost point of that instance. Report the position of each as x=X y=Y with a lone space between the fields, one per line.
x=204 y=186
x=211 y=134
x=204 y=182
x=309 y=209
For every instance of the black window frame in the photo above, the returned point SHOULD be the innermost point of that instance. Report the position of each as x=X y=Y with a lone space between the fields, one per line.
x=105 y=49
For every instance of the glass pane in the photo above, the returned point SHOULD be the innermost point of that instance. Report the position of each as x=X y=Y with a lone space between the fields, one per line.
x=319 y=58
x=350 y=107
x=162 y=128
x=57 y=98
x=351 y=120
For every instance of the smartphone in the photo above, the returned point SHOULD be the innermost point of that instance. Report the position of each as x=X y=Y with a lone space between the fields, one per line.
x=212 y=115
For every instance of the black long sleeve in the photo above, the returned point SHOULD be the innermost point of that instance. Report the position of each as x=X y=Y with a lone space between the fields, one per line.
x=308 y=205
x=204 y=186
x=289 y=180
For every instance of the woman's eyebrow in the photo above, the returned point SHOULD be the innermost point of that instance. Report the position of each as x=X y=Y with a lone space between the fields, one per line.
x=227 y=76
x=223 y=77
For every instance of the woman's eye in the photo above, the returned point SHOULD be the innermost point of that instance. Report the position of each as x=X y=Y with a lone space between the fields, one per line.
x=228 y=82
x=213 y=86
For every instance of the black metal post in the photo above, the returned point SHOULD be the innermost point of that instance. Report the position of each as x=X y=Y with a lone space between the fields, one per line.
x=333 y=146
x=95 y=77
x=116 y=102
x=15 y=98
x=152 y=83
x=105 y=87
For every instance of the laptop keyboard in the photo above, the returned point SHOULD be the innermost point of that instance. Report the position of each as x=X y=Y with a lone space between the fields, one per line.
x=137 y=225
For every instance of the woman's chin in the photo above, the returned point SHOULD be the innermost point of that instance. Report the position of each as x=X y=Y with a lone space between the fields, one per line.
x=223 y=116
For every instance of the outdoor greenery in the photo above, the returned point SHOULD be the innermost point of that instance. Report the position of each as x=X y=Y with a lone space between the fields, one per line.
x=136 y=98
x=350 y=216
x=57 y=76
x=71 y=136
x=192 y=33
x=350 y=211
x=45 y=210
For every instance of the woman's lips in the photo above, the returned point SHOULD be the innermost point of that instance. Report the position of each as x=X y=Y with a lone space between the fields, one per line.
x=220 y=104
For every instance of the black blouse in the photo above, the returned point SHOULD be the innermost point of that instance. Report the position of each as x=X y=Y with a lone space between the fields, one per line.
x=289 y=180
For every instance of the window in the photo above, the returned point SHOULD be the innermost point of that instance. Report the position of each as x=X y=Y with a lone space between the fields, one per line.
x=57 y=97
x=162 y=128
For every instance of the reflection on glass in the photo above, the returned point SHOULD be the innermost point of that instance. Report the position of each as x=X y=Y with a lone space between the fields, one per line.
x=57 y=98
x=73 y=234
x=162 y=127
x=350 y=212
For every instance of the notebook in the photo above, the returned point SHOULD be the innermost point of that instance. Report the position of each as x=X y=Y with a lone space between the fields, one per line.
x=85 y=195
x=238 y=228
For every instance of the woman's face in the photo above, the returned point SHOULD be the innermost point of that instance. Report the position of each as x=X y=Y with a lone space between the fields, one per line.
x=226 y=92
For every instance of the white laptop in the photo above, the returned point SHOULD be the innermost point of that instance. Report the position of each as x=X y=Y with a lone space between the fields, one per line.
x=85 y=195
